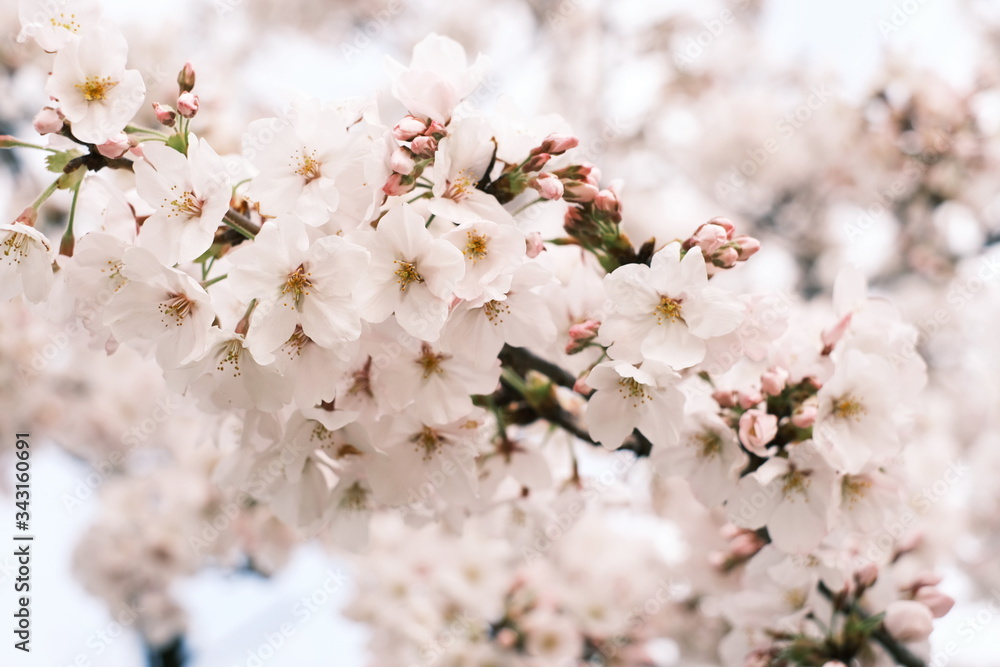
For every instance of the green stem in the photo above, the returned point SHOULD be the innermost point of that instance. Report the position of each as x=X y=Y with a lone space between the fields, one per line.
x=209 y=283
x=68 y=240
x=527 y=206
x=45 y=195
x=132 y=129
x=11 y=142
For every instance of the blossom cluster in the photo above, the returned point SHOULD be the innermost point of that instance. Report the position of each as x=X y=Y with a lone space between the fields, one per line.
x=426 y=313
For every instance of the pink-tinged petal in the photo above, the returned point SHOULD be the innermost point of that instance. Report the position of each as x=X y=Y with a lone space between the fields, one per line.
x=610 y=418
x=673 y=344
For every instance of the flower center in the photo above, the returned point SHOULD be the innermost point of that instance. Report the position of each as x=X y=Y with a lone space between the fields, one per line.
x=407 y=273
x=853 y=489
x=495 y=310
x=630 y=388
x=296 y=342
x=427 y=440
x=848 y=407
x=669 y=309
x=115 y=275
x=95 y=89
x=362 y=380
x=355 y=499
x=309 y=166
x=462 y=186
x=67 y=23
x=476 y=246
x=795 y=481
x=230 y=356
x=18 y=244
x=297 y=285
x=177 y=306
x=709 y=444
x=187 y=204
x=430 y=361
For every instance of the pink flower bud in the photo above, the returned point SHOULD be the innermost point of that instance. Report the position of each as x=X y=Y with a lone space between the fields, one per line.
x=757 y=428
x=709 y=237
x=409 y=128
x=748 y=399
x=607 y=201
x=548 y=186
x=939 y=603
x=834 y=663
x=556 y=144
x=435 y=129
x=867 y=575
x=28 y=217
x=47 y=121
x=832 y=336
x=725 y=223
x=804 y=416
x=187 y=104
x=424 y=146
x=745 y=545
x=723 y=398
x=396 y=185
x=748 y=246
x=581 y=387
x=576 y=191
x=114 y=147
x=506 y=638
x=164 y=114
x=584 y=330
x=908 y=620
x=726 y=258
x=402 y=161
x=773 y=380
x=536 y=163
x=186 y=78
x=534 y=244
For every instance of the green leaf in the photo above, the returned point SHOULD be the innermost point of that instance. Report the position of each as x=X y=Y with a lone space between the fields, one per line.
x=56 y=162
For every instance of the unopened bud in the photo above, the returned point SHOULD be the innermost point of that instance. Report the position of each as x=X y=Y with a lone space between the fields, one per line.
x=185 y=79
x=402 y=161
x=164 y=114
x=867 y=575
x=578 y=191
x=548 y=186
x=772 y=381
x=47 y=121
x=723 y=398
x=908 y=620
x=747 y=245
x=28 y=217
x=424 y=146
x=436 y=130
x=804 y=416
x=709 y=237
x=187 y=104
x=556 y=144
x=725 y=223
x=757 y=429
x=534 y=244
x=397 y=185
x=607 y=201
x=114 y=147
x=409 y=128
x=726 y=258
x=748 y=399
x=939 y=603
x=536 y=163
x=832 y=336
x=581 y=387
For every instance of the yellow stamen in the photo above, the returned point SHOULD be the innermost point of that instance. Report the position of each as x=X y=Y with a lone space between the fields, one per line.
x=95 y=89
x=669 y=309
x=407 y=273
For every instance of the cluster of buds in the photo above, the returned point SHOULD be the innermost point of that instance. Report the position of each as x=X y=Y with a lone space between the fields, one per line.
x=408 y=162
x=187 y=102
x=48 y=121
x=516 y=178
x=721 y=249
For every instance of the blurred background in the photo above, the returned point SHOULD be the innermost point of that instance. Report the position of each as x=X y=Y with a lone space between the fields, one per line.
x=857 y=131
